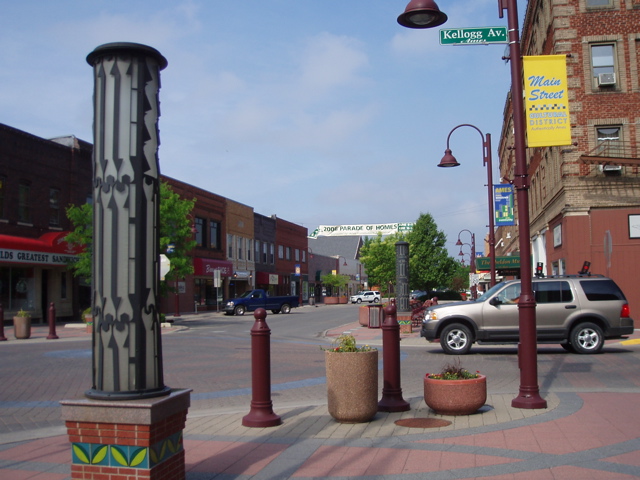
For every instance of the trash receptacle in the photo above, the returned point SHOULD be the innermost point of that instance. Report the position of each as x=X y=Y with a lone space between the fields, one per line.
x=375 y=316
x=312 y=300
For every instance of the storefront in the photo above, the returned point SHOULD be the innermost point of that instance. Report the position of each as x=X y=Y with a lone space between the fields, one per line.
x=34 y=273
x=211 y=280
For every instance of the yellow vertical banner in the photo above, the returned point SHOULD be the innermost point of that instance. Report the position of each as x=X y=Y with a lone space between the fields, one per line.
x=546 y=101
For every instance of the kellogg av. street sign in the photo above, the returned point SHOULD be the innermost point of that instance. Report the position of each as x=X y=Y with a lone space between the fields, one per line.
x=473 y=35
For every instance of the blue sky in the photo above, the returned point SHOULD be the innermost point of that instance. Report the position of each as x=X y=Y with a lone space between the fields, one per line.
x=320 y=112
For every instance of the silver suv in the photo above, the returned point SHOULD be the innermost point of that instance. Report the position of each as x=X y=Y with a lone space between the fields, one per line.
x=578 y=312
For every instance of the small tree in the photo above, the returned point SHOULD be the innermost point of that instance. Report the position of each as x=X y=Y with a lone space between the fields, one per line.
x=335 y=281
x=174 y=226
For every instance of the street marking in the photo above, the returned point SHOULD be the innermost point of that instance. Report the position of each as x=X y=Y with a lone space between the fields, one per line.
x=635 y=341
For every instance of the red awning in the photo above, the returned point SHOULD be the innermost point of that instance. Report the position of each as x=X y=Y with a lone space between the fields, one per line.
x=49 y=249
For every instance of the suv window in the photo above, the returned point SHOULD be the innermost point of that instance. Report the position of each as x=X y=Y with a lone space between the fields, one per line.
x=600 y=290
x=552 y=292
x=511 y=294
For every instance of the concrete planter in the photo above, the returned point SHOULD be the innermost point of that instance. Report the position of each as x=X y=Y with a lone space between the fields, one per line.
x=22 y=327
x=455 y=397
x=352 y=385
x=335 y=300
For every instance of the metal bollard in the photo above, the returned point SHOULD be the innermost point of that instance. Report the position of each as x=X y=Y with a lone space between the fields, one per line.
x=2 y=337
x=52 y=322
x=261 y=413
x=391 y=400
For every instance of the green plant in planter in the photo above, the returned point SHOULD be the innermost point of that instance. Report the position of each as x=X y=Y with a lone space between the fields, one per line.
x=454 y=371
x=23 y=313
x=347 y=343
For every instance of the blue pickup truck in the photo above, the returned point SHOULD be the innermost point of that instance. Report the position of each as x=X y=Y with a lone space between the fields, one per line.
x=249 y=301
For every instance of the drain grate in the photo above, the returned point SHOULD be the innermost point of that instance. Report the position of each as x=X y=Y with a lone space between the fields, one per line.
x=422 y=422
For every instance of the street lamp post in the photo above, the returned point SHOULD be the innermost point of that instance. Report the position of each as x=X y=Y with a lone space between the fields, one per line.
x=472 y=260
x=450 y=161
x=425 y=14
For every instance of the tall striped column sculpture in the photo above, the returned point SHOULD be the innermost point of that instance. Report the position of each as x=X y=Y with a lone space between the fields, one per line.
x=127 y=352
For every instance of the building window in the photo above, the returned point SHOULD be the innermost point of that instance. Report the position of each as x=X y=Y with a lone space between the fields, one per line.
x=214 y=235
x=603 y=67
x=609 y=141
x=54 y=207
x=272 y=248
x=304 y=256
x=280 y=252
x=24 y=194
x=230 y=246
x=257 y=245
x=598 y=3
x=296 y=254
x=200 y=241
x=288 y=253
x=249 y=249
x=240 y=249
x=63 y=285
x=265 y=246
x=3 y=186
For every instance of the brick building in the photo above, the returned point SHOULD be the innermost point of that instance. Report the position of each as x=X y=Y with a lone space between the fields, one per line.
x=585 y=198
x=38 y=179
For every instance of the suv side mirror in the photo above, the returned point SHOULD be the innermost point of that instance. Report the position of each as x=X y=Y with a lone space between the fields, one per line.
x=495 y=301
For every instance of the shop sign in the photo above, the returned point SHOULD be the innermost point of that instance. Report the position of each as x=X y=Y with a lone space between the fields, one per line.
x=547 y=101
x=37 y=258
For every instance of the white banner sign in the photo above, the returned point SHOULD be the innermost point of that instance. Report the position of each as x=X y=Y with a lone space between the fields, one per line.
x=42 y=258
x=357 y=230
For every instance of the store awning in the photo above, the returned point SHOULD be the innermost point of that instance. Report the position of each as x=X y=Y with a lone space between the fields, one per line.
x=49 y=249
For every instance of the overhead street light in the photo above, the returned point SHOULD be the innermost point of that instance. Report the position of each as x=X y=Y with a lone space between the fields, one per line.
x=425 y=14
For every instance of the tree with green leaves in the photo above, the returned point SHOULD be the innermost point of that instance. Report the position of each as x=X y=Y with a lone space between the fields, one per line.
x=430 y=265
x=378 y=255
x=174 y=225
x=335 y=281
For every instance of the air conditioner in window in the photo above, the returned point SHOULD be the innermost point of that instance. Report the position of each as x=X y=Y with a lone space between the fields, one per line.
x=610 y=168
x=605 y=79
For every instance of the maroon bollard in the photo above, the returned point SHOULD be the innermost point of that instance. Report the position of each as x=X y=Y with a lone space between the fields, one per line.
x=2 y=337
x=261 y=413
x=391 y=400
x=52 y=322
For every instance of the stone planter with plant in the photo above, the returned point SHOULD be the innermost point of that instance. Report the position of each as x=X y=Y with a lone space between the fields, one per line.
x=455 y=390
x=22 y=325
x=352 y=381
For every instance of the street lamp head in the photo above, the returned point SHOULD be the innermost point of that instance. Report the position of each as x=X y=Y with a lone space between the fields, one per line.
x=459 y=243
x=422 y=14
x=448 y=160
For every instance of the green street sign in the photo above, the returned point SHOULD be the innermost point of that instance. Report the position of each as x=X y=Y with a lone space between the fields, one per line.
x=473 y=35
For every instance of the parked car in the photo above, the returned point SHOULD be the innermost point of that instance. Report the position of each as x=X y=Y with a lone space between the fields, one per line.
x=416 y=294
x=253 y=299
x=366 y=296
x=578 y=312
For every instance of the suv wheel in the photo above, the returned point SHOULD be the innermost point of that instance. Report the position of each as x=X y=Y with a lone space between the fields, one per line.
x=359 y=300
x=587 y=338
x=456 y=340
x=376 y=300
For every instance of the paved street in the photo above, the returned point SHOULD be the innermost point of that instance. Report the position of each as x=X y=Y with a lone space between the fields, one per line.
x=589 y=429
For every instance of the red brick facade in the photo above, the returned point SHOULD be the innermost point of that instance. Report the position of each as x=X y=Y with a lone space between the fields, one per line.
x=583 y=196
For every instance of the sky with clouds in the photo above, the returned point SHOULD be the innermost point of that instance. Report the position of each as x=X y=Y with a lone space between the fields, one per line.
x=321 y=112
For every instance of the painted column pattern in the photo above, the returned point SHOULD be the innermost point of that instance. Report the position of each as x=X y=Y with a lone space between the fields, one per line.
x=127 y=357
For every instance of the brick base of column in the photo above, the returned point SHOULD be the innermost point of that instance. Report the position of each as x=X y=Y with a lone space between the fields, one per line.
x=127 y=439
x=405 y=323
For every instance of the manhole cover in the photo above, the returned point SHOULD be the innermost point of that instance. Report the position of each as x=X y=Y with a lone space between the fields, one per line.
x=422 y=423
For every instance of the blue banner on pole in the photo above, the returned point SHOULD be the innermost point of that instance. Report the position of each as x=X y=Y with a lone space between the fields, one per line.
x=503 y=205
